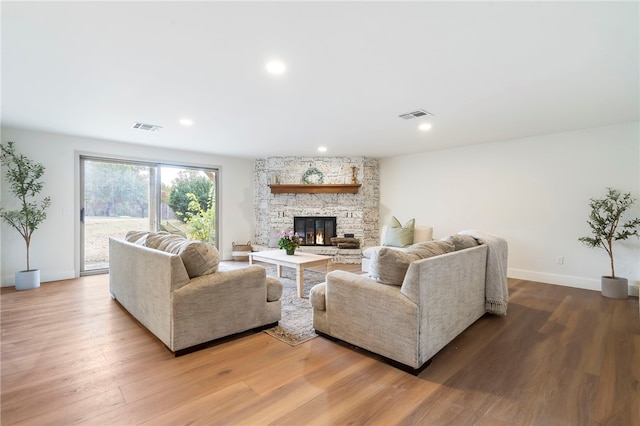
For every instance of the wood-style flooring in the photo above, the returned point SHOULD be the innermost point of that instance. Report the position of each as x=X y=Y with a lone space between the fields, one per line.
x=562 y=356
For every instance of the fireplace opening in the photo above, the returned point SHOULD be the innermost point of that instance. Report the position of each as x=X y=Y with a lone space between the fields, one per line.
x=315 y=230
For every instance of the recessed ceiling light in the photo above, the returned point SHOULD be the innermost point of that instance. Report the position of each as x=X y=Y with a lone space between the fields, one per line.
x=276 y=67
x=186 y=122
x=424 y=127
x=322 y=149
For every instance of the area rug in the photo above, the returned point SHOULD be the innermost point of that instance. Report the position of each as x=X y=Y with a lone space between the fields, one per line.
x=296 y=325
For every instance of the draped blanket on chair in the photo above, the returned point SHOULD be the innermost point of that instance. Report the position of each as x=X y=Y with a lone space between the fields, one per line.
x=496 y=288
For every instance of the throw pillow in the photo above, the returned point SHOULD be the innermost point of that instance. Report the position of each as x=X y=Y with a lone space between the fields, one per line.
x=461 y=242
x=161 y=240
x=430 y=248
x=389 y=266
x=199 y=258
x=137 y=237
x=168 y=227
x=398 y=235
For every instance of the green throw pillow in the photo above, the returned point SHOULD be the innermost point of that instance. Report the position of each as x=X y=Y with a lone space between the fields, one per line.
x=398 y=235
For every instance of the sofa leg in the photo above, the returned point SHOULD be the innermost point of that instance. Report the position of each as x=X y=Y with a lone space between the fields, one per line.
x=394 y=363
x=407 y=369
x=224 y=339
x=326 y=336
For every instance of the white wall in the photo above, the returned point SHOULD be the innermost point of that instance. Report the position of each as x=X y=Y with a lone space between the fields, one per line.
x=534 y=192
x=55 y=245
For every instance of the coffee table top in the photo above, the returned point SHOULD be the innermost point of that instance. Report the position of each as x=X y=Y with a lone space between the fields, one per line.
x=299 y=258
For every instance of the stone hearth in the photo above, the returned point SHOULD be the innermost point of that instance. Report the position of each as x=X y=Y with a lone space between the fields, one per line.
x=355 y=214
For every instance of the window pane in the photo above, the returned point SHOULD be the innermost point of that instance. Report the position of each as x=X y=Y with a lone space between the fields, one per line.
x=116 y=200
x=119 y=196
x=188 y=202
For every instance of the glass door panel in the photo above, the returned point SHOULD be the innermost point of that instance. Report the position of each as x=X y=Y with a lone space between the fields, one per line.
x=120 y=196
x=115 y=199
x=188 y=202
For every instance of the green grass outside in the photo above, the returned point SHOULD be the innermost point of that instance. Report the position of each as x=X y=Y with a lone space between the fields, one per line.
x=98 y=230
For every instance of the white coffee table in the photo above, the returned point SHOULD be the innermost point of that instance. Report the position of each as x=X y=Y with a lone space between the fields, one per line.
x=298 y=261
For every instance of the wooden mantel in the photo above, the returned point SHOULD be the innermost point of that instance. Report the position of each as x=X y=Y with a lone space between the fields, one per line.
x=324 y=188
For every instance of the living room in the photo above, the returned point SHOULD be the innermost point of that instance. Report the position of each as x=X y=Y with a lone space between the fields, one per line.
x=529 y=185
x=532 y=190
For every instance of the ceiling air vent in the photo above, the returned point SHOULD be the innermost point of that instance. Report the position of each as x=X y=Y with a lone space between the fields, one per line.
x=415 y=114
x=147 y=127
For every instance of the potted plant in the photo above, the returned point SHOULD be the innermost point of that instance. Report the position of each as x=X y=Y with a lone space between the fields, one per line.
x=23 y=176
x=289 y=241
x=607 y=226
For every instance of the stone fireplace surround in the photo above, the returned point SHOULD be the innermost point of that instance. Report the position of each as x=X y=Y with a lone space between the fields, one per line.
x=355 y=213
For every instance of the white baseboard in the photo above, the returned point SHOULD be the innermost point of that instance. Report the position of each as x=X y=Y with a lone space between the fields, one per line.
x=565 y=280
x=45 y=276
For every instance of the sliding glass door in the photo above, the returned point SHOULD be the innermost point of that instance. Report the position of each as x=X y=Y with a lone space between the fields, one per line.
x=119 y=196
x=188 y=203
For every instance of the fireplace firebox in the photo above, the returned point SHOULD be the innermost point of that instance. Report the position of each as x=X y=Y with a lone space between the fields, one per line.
x=315 y=230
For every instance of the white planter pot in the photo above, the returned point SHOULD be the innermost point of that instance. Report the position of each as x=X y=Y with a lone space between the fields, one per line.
x=26 y=280
x=616 y=288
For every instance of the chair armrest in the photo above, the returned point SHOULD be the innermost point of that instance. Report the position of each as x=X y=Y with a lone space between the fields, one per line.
x=361 y=298
x=219 y=304
x=347 y=283
x=236 y=279
x=374 y=316
x=274 y=289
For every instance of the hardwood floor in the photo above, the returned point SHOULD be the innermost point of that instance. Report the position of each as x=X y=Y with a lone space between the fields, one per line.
x=562 y=356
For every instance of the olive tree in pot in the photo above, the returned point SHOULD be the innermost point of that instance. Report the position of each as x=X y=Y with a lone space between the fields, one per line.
x=607 y=225
x=23 y=176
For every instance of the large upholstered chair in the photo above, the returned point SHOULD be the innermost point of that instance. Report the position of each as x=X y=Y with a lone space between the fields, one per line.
x=417 y=300
x=174 y=288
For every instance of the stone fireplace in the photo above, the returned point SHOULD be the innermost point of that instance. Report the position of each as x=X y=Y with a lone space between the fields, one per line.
x=315 y=230
x=355 y=214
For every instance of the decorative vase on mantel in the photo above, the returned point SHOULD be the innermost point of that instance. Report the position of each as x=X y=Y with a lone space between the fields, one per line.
x=291 y=251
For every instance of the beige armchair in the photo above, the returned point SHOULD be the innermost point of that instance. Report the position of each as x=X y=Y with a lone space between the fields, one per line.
x=177 y=292
x=410 y=321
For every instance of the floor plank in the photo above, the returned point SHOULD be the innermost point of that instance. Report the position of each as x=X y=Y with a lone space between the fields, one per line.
x=561 y=356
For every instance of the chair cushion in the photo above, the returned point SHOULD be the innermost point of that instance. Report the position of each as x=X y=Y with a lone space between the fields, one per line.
x=422 y=233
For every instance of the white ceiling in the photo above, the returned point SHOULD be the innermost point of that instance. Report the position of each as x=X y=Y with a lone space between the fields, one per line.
x=489 y=71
